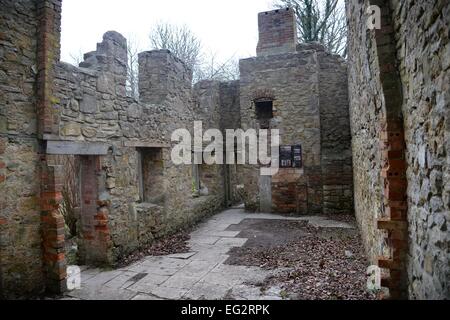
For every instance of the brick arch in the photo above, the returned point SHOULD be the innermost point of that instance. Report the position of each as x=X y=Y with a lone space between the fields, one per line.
x=264 y=94
x=393 y=146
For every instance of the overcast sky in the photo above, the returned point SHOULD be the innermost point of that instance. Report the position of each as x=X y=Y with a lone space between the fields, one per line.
x=226 y=27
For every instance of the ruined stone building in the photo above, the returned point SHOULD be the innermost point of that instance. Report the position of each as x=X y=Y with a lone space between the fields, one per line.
x=367 y=136
x=302 y=91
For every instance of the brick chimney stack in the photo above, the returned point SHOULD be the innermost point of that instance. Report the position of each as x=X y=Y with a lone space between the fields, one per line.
x=277 y=32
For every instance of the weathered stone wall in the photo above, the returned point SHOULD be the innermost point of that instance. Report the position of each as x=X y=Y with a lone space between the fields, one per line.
x=230 y=105
x=421 y=32
x=366 y=105
x=231 y=119
x=20 y=238
x=291 y=80
x=336 y=154
x=95 y=109
x=423 y=48
x=310 y=108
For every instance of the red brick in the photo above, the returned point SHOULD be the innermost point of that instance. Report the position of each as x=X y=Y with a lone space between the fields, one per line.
x=386 y=224
x=387 y=263
x=396 y=214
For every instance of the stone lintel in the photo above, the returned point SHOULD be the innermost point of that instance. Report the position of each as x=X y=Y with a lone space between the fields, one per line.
x=143 y=144
x=77 y=148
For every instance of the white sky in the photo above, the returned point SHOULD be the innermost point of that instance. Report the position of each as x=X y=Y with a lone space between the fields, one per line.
x=225 y=27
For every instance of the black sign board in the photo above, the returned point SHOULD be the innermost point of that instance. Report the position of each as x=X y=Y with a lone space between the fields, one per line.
x=286 y=157
x=297 y=156
x=291 y=156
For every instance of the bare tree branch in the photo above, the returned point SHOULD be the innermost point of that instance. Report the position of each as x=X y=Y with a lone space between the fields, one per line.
x=133 y=50
x=76 y=57
x=323 y=21
x=180 y=40
x=184 y=44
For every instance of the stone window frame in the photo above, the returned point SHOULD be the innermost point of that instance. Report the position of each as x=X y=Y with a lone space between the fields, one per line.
x=140 y=167
x=264 y=98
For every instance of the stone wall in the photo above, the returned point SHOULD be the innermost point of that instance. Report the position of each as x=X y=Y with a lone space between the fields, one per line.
x=310 y=108
x=291 y=80
x=95 y=109
x=231 y=119
x=366 y=104
x=336 y=154
x=422 y=49
x=20 y=238
x=51 y=109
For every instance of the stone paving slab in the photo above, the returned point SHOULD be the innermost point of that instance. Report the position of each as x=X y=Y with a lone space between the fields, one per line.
x=123 y=280
x=231 y=242
x=207 y=291
x=142 y=296
x=204 y=239
x=148 y=283
x=182 y=255
x=198 y=274
x=182 y=281
x=167 y=293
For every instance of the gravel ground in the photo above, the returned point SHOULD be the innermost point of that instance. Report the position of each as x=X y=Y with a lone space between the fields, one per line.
x=322 y=263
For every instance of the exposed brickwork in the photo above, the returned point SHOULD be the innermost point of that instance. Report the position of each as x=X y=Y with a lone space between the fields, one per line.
x=277 y=32
x=52 y=226
x=398 y=81
x=394 y=220
x=48 y=52
x=398 y=116
x=394 y=165
x=310 y=101
x=289 y=194
x=96 y=245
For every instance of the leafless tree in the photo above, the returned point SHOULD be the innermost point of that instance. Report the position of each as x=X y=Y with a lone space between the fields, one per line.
x=133 y=50
x=76 y=57
x=184 y=44
x=180 y=40
x=323 y=21
x=212 y=68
